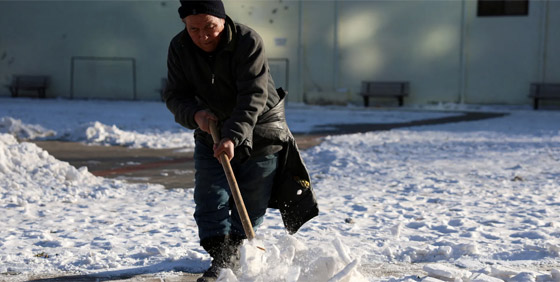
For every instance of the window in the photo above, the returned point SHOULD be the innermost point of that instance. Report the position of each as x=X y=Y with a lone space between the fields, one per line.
x=489 y=8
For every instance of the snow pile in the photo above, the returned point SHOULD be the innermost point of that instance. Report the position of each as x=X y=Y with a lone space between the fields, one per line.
x=121 y=123
x=101 y=134
x=21 y=130
x=31 y=175
x=291 y=260
x=59 y=218
x=97 y=133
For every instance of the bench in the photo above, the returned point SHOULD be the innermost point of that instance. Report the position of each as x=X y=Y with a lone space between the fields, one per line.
x=384 y=89
x=29 y=82
x=544 y=91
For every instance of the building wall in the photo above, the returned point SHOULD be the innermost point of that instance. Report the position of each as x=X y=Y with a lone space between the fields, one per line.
x=551 y=38
x=41 y=37
x=415 y=41
x=442 y=48
x=328 y=47
x=105 y=38
x=502 y=56
x=278 y=23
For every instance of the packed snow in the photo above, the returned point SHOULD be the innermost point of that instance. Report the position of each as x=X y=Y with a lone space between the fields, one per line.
x=467 y=201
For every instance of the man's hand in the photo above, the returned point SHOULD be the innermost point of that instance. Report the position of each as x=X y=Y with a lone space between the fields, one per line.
x=225 y=146
x=202 y=118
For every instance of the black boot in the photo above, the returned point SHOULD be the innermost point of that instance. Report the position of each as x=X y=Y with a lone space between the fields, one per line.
x=233 y=246
x=214 y=246
x=224 y=251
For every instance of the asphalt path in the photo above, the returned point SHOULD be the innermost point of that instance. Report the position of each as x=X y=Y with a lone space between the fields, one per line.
x=174 y=168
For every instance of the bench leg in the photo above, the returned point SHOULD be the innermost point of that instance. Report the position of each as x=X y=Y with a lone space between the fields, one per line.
x=15 y=92
x=41 y=93
x=536 y=104
x=366 y=101
x=401 y=100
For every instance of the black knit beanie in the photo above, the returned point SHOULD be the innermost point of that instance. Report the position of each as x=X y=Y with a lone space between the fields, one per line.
x=210 y=7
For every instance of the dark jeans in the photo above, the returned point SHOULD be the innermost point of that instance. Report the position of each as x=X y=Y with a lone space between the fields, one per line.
x=215 y=212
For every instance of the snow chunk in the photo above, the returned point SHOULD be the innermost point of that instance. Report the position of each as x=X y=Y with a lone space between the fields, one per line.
x=73 y=174
x=502 y=272
x=291 y=260
x=553 y=248
x=396 y=230
x=523 y=277
x=153 y=251
x=481 y=277
x=431 y=279
x=555 y=275
x=345 y=272
x=445 y=272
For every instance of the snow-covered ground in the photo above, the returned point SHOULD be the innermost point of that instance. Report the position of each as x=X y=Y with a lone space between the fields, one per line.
x=470 y=201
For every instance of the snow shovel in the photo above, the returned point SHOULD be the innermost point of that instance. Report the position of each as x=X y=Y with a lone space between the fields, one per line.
x=247 y=226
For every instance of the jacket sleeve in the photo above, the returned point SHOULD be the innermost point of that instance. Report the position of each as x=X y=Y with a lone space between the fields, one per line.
x=178 y=95
x=251 y=82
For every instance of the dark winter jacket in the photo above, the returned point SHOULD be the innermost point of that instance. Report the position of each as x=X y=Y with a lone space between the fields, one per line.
x=234 y=83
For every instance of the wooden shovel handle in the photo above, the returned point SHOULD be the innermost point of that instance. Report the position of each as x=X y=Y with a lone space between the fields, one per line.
x=247 y=226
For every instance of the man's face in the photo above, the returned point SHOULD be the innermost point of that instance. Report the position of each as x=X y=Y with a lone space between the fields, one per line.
x=205 y=30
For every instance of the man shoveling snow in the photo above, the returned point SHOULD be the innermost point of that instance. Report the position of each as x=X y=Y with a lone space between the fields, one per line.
x=218 y=72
